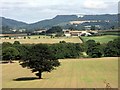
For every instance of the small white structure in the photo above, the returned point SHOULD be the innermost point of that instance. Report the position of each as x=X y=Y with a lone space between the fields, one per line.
x=69 y=33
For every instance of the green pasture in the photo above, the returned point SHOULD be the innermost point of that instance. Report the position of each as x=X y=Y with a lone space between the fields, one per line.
x=101 y=39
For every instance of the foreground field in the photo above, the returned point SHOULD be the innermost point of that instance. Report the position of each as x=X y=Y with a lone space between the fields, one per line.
x=73 y=73
x=101 y=39
x=43 y=39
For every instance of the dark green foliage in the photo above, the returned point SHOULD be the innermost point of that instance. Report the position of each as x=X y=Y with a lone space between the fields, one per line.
x=9 y=37
x=59 y=34
x=9 y=53
x=93 y=49
x=62 y=42
x=55 y=29
x=90 y=43
x=40 y=59
x=23 y=50
x=93 y=27
x=66 y=50
x=28 y=37
x=94 y=52
x=24 y=37
x=112 y=48
x=6 y=44
x=16 y=43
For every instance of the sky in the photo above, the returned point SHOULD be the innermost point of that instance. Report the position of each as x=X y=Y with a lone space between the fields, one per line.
x=31 y=11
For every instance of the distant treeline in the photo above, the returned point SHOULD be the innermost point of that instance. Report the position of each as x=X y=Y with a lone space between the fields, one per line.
x=17 y=51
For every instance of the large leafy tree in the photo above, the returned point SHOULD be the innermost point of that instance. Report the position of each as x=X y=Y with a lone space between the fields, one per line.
x=40 y=59
x=10 y=53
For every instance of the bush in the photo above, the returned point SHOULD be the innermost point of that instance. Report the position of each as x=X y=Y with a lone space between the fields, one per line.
x=62 y=42
x=9 y=37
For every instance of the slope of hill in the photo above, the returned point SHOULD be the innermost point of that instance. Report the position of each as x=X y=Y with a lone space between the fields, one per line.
x=52 y=22
x=12 y=23
x=62 y=20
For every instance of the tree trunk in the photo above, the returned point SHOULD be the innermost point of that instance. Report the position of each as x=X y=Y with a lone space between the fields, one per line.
x=10 y=61
x=40 y=74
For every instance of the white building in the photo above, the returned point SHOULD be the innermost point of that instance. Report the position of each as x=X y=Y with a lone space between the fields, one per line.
x=69 y=33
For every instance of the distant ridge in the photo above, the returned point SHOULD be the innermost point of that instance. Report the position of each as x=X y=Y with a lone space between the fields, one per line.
x=58 y=20
x=12 y=23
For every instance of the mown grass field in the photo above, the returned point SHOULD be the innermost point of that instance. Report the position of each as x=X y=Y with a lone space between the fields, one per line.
x=43 y=39
x=101 y=39
x=73 y=73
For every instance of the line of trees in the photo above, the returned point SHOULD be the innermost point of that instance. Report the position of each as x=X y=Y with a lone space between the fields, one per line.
x=64 y=50
x=61 y=50
x=111 y=49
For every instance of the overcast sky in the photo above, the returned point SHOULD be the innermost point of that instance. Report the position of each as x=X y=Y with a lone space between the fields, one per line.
x=31 y=11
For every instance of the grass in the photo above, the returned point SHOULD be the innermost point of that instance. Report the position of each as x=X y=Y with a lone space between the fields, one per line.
x=43 y=39
x=73 y=73
x=101 y=39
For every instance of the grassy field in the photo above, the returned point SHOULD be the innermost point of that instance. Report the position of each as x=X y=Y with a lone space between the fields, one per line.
x=43 y=39
x=73 y=73
x=101 y=39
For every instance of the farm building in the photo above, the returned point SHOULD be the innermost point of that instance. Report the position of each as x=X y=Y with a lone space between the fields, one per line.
x=69 y=33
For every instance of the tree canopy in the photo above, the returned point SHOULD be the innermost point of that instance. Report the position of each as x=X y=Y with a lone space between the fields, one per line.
x=10 y=53
x=93 y=49
x=54 y=29
x=40 y=59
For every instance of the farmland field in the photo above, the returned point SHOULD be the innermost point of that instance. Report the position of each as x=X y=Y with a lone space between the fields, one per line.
x=73 y=73
x=101 y=39
x=43 y=39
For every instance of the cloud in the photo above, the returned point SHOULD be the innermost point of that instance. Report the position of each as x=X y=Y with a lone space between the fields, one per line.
x=95 y=4
x=35 y=10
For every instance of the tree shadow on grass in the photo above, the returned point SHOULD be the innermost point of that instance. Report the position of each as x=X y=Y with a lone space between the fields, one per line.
x=25 y=79
x=5 y=62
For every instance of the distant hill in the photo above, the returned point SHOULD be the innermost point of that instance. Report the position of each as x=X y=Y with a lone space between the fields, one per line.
x=62 y=20
x=12 y=23
x=109 y=17
x=52 y=22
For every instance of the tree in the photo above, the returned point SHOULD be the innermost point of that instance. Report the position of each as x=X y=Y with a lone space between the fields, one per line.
x=9 y=37
x=40 y=59
x=112 y=27
x=62 y=42
x=16 y=43
x=90 y=43
x=24 y=37
x=93 y=27
x=72 y=28
x=112 y=48
x=66 y=50
x=94 y=52
x=6 y=44
x=93 y=49
x=10 y=53
x=23 y=50
x=55 y=29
